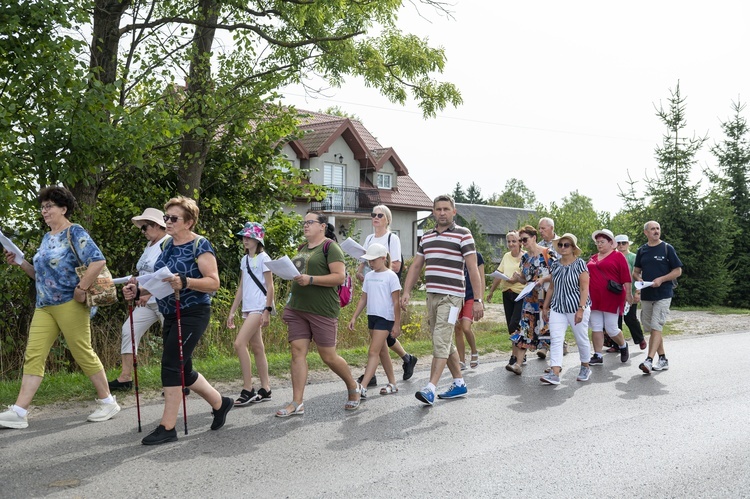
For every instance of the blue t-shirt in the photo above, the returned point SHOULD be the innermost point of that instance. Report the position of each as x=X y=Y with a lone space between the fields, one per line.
x=469 y=290
x=182 y=259
x=657 y=261
x=55 y=264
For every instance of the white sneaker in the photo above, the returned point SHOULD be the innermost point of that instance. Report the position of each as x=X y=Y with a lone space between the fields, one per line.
x=104 y=411
x=11 y=419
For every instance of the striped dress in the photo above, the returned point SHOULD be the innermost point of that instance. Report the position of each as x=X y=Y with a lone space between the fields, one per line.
x=444 y=254
x=567 y=294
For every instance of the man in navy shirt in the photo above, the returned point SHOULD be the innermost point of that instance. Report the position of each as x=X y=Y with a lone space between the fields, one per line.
x=656 y=262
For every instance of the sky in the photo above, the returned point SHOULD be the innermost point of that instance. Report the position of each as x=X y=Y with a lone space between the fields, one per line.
x=561 y=95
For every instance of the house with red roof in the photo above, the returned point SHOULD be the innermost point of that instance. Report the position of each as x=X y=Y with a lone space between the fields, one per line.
x=341 y=154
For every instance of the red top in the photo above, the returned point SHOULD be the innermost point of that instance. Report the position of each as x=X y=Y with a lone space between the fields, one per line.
x=615 y=267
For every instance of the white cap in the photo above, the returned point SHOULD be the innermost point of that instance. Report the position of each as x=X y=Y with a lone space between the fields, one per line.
x=375 y=251
x=622 y=238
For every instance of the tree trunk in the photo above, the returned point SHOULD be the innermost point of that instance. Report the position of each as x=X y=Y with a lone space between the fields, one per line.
x=196 y=142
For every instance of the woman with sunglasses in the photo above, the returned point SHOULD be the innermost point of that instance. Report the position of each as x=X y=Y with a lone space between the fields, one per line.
x=146 y=311
x=192 y=261
x=312 y=312
x=567 y=303
x=609 y=288
x=535 y=267
x=381 y=224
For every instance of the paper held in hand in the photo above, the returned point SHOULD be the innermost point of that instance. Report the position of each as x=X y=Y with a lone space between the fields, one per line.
x=643 y=284
x=499 y=275
x=353 y=248
x=154 y=283
x=528 y=289
x=10 y=246
x=283 y=267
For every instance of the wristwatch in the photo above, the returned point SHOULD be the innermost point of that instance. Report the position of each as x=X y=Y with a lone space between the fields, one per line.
x=478 y=300
x=270 y=309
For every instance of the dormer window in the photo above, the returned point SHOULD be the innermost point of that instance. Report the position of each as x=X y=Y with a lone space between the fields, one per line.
x=385 y=181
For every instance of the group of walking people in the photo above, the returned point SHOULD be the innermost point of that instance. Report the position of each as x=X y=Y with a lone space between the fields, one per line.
x=567 y=292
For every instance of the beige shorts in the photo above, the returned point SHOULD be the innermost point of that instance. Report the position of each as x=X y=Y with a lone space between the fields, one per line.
x=654 y=314
x=438 y=311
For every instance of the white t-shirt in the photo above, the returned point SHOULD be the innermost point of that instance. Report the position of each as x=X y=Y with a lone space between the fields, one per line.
x=253 y=298
x=394 y=250
x=379 y=286
x=148 y=259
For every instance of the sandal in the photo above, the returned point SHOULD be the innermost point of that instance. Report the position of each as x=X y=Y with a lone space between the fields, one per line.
x=299 y=410
x=353 y=405
x=388 y=389
x=245 y=397
x=474 y=360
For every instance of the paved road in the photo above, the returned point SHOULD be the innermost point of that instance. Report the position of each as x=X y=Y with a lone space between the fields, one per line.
x=679 y=433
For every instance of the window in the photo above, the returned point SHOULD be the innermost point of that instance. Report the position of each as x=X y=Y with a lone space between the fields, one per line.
x=333 y=176
x=384 y=181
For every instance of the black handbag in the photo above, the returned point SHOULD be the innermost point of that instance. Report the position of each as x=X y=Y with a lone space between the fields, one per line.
x=614 y=286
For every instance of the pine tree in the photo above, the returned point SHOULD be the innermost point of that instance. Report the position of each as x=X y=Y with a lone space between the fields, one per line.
x=733 y=156
x=474 y=195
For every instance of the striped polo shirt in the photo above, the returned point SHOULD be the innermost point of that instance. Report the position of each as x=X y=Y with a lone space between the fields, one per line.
x=444 y=254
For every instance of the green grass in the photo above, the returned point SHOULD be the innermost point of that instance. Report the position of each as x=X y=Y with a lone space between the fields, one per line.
x=715 y=310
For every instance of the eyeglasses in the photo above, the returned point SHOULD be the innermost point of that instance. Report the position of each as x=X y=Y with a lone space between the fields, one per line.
x=378 y=215
x=171 y=218
x=308 y=223
x=523 y=239
x=145 y=227
x=601 y=241
x=47 y=207
x=564 y=245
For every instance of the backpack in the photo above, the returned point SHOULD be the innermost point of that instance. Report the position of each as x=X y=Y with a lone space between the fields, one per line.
x=401 y=270
x=344 y=290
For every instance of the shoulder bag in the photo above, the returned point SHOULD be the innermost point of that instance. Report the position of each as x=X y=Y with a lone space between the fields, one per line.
x=102 y=292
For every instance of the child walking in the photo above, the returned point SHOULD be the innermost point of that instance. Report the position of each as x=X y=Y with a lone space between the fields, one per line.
x=255 y=290
x=380 y=292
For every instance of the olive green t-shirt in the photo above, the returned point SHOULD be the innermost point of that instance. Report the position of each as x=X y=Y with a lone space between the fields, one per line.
x=319 y=300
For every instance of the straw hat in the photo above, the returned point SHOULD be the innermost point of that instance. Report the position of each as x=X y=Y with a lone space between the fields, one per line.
x=573 y=239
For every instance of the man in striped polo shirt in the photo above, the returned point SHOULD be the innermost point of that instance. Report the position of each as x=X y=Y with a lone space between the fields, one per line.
x=443 y=252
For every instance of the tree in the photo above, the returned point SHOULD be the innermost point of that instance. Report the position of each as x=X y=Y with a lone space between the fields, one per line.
x=733 y=156
x=480 y=240
x=515 y=195
x=576 y=215
x=685 y=215
x=474 y=195
x=458 y=194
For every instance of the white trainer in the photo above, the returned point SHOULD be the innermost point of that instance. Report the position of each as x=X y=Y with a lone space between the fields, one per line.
x=104 y=411
x=11 y=419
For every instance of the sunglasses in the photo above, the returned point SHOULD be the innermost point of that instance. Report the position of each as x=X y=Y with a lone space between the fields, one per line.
x=564 y=245
x=523 y=239
x=172 y=218
x=145 y=227
x=622 y=242
x=377 y=215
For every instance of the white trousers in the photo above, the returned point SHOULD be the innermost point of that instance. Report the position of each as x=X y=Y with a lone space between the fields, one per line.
x=558 y=324
x=143 y=318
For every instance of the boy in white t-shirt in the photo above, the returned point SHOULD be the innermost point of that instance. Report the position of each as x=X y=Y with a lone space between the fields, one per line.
x=380 y=293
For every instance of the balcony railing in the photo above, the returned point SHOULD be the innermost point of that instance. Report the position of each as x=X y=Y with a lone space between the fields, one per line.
x=348 y=199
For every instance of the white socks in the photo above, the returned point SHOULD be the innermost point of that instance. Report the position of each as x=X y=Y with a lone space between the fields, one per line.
x=431 y=387
x=19 y=410
x=458 y=382
x=109 y=400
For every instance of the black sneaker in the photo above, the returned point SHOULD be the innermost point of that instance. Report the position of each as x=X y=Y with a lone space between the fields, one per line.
x=160 y=436
x=512 y=360
x=408 y=367
x=245 y=397
x=596 y=360
x=261 y=396
x=624 y=353
x=373 y=381
x=220 y=415
x=119 y=386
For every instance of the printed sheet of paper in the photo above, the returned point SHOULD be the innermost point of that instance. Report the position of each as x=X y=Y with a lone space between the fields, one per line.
x=353 y=248
x=155 y=283
x=499 y=275
x=10 y=246
x=283 y=267
x=124 y=280
x=643 y=284
x=528 y=289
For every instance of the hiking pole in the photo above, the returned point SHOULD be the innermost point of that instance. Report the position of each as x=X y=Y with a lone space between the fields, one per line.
x=182 y=362
x=135 y=363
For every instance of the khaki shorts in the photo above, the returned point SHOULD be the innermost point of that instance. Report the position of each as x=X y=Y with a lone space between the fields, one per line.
x=438 y=310
x=654 y=314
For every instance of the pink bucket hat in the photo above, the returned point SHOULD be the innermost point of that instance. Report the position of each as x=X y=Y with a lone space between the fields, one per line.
x=253 y=230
